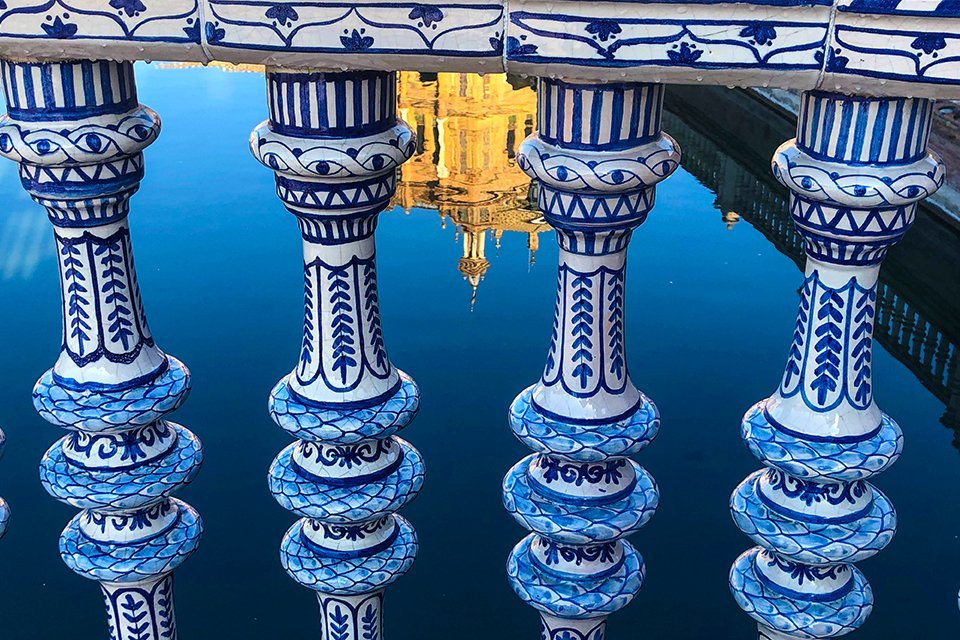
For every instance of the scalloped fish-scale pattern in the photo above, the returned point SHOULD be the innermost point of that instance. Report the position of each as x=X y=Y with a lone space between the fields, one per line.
x=579 y=524
x=813 y=543
x=622 y=438
x=97 y=411
x=806 y=459
x=348 y=576
x=573 y=599
x=132 y=562
x=345 y=505
x=799 y=618
x=345 y=426
x=123 y=489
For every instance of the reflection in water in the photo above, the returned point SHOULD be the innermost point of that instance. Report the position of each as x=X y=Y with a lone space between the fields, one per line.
x=24 y=240
x=24 y=234
x=468 y=128
x=917 y=321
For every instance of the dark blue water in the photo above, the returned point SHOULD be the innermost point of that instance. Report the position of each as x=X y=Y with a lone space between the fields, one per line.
x=710 y=313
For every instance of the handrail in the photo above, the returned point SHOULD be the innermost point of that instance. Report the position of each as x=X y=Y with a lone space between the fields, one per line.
x=849 y=46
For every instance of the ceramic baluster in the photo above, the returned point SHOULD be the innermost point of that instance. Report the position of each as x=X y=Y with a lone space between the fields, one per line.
x=856 y=171
x=597 y=155
x=335 y=143
x=4 y=508
x=78 y=132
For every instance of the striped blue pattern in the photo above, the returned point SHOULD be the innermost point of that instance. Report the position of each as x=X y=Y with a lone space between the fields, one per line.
x=335 y=105
x=330 y=230
x=54 y=91
x=944 y=8
x=601 y=117
x=89 y=212
x=864 y=130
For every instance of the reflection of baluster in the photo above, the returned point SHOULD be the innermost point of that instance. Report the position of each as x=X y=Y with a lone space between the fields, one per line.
x=78 y=133
x=4 y=509
x=335 y=143
x=856 y=171
x=597 y=156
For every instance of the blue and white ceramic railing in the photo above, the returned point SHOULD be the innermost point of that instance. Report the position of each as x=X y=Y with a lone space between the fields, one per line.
x=335 y=143
x=597 y=156
x=78 y=133
x=856 y=171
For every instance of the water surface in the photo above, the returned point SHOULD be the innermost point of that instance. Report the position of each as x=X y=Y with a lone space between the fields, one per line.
x=467 y=279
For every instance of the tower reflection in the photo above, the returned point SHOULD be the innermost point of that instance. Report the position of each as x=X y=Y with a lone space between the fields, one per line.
x=468 y=128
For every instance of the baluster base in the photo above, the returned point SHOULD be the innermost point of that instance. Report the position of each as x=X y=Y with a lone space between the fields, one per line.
x=841 y=459
x=295 y=490
x=564 y=519
x=129 y=488
x=573 y=439
x=122 y=559
x=805 y=538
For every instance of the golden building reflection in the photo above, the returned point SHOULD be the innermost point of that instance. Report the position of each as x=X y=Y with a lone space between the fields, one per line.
x=468 y=128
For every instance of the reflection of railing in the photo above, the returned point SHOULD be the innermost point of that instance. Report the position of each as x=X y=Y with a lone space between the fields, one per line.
x=919 y=340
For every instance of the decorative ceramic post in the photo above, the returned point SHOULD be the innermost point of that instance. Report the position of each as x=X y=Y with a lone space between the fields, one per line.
x=335 y=143
x=4 y=509
x=856 y=171
x=597 y=156
x=78 y=133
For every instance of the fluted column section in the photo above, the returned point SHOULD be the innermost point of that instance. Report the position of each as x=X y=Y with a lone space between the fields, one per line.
x=78 y=132
x=335 y=143
x=597 y=155
x=856 y=171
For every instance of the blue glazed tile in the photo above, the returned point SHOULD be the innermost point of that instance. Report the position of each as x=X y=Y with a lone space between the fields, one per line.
x=375 y=32
x=334 y=142
x=78 y=133
x=59 y=28
x=911 y=47
x=730 y=43
x=942 y=8
x=597 y=157
x=856 y=171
